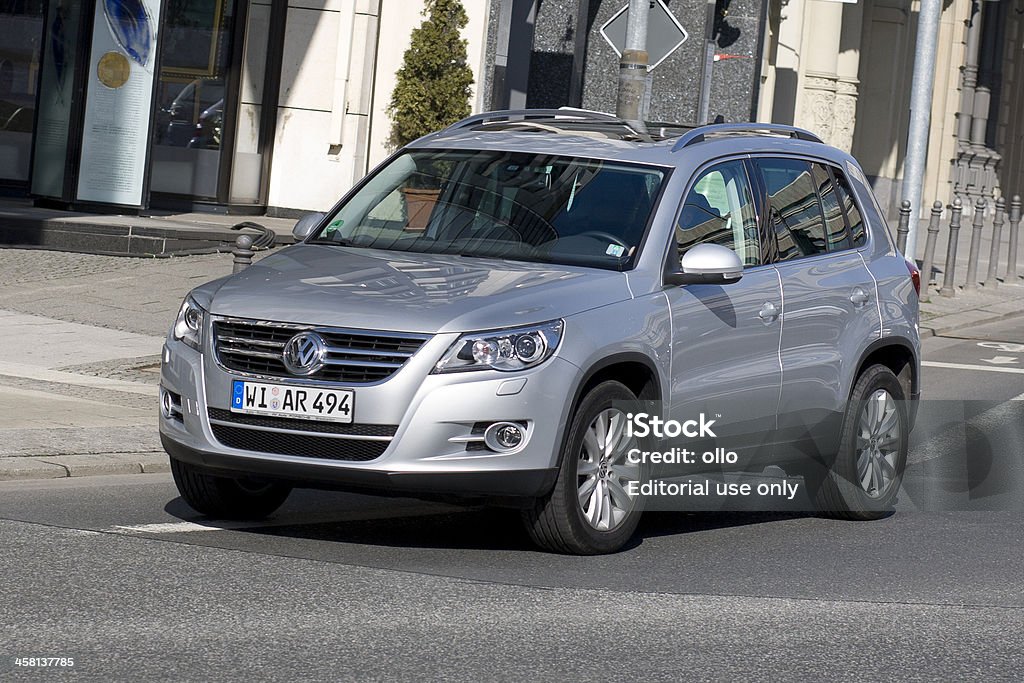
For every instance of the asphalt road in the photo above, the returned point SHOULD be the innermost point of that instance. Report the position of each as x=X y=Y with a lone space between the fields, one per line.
x=118 y=573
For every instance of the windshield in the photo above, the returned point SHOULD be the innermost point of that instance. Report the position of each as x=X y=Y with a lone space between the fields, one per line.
x=511 y=205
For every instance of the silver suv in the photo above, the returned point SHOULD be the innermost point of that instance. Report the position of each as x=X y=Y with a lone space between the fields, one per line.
x=484 y=317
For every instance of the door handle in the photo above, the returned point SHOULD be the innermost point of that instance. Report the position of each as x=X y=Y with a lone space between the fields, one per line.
x=859 y=297
x=769 y=312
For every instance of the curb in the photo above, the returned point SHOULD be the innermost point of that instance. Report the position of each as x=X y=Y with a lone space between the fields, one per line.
x=118 y=240
x=90 y=465
x=939 y=331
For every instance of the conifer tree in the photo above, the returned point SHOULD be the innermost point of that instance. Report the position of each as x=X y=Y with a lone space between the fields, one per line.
x=433 y=85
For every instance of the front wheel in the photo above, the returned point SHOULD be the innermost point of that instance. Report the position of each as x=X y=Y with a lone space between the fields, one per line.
x=866 y=474
x=227 y=497
x=595 y=504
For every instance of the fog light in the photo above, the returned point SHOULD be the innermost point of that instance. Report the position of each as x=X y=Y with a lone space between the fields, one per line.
x=504 y=437
x=170 y=405
x=166 y=403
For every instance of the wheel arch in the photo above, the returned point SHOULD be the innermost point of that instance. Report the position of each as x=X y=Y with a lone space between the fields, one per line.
x=633 y=369
x=900 y=356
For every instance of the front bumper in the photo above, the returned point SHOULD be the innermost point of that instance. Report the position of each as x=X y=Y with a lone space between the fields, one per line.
x=434 y=417
x=484 y=484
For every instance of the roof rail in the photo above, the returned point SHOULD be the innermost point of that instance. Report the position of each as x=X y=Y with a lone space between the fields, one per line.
x=510 y=114
x=698 y=134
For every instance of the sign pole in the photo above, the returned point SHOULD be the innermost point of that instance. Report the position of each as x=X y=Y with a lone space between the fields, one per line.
x=633 y=63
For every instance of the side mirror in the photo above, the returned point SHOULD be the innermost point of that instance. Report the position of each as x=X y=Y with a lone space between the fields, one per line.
x=707 y=264
x=306 y=224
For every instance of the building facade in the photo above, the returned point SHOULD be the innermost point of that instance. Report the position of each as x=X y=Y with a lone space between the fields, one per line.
x=844 y=70
x=279 y=106
x=250 y=105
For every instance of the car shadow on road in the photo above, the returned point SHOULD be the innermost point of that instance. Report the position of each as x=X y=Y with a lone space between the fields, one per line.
x=430 y=526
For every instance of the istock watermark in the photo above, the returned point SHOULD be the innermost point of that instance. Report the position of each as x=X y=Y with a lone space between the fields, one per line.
x=644 y=425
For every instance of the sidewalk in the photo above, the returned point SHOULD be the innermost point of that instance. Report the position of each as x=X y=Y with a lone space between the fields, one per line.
x=943 y=315
x=81 y=334
x=23 y=225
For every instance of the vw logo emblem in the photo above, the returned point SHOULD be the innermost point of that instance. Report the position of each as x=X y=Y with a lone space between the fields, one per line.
x=304 y=353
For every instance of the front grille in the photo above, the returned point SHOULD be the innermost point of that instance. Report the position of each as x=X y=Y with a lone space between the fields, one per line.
x=323 y=447
x=320 y=426
x=353 y=356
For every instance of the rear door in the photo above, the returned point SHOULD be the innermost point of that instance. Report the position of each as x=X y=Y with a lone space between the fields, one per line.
x=830 y=311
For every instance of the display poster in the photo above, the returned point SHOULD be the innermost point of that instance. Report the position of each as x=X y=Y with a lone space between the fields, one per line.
x=119 y=98
x=55 y=95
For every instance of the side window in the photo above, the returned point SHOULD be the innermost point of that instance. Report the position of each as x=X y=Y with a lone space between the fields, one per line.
x=795 y=215
x=845 y=195
x=835 y=223
x=720 y=210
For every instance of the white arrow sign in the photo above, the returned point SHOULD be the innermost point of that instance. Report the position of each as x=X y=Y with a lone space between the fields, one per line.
x=999 y=360
x=1005 y=347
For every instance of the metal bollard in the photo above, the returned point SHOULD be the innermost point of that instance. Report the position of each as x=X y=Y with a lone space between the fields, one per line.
x=954 y=237
x=972 y=260
x=903 y=229
x=929 y=246
x=1011 y=262
x=991 y=280
x=243 y=253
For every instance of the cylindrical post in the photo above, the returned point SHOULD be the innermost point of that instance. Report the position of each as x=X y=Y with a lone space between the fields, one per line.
x=633 y=63
x=972 y=260
x=991 y=280
x=904 y=226
x=954 y=237
x=933 y=237
x=1011 y=261
x=920 y=113
x=243 y=253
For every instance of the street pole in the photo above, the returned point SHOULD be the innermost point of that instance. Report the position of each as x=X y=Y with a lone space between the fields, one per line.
x=920 y=113
x=704 y=102
x=633 y=63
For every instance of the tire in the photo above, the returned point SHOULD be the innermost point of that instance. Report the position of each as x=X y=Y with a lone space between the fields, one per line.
x=227 y=497
x=865 y=476
x=558 y=522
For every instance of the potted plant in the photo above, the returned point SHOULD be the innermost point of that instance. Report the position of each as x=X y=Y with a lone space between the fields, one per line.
x=432 y=90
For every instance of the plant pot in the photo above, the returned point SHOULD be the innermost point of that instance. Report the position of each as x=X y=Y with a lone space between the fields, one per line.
x=419 y=204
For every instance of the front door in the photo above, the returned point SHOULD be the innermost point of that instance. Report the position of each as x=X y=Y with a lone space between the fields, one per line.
x=725 y=338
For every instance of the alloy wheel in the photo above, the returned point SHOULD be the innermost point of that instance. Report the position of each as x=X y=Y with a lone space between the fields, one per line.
x=603 y=472
x=879 y=436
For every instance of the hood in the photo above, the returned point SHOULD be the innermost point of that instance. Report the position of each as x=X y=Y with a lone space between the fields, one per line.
x=407 y=292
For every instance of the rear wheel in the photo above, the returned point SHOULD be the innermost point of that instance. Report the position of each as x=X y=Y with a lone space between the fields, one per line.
x=227 y=497
x=594 y=506
x=865 y=478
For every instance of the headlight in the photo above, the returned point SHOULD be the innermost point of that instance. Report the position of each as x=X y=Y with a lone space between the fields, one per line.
x=505 y=350
x=188 y=327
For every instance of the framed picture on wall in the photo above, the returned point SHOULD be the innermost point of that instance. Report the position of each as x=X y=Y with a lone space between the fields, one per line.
x=193 y=37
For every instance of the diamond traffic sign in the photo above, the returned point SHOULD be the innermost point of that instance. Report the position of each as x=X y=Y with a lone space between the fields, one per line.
x=664 y=33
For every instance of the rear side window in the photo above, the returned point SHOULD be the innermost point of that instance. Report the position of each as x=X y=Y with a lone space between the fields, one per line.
x=845 y=195
x=835 y=223
x=795 y=215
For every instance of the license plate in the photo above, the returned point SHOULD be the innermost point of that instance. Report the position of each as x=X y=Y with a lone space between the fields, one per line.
x=304 y=403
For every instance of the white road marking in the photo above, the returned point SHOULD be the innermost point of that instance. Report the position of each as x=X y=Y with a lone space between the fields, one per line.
x=965 y=366
x=1006 y=347
x=183 y=527
x=1000 y=360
